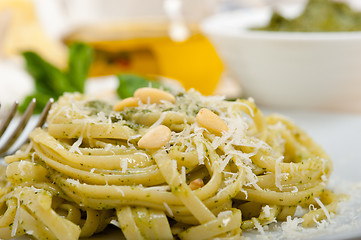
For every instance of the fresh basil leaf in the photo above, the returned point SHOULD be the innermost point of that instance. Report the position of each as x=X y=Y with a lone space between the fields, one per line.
x=80 y=59
x=53 y=82
x=48 y=79
x=129 y=83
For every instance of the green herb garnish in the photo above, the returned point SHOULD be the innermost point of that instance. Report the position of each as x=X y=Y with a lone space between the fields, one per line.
x=51 y=82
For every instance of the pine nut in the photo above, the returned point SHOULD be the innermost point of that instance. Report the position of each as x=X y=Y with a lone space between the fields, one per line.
x=211 y=121
x=126 y=103
x=197 y=183
x=153 y=95
x=156 y=137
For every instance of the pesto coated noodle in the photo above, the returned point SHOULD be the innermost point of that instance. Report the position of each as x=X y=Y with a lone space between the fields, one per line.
x=222 y=168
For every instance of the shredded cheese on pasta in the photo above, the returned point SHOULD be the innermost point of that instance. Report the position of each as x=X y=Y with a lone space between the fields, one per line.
x=85 y=170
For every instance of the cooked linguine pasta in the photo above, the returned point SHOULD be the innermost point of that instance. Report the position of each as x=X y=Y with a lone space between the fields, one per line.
x=162 y=166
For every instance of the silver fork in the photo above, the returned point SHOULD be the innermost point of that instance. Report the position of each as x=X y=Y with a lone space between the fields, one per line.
x=17 y=131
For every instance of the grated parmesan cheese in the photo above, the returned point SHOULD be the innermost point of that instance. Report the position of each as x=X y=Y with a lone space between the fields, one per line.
x=22 y=166
x=200 y=151
x=258 y=226
x=244 y=191
x=121 y=191
x=295 y=189
x=267 y=211
x=226 y=221
x=143 y=154
x=322 y=206
x=168 y=209
x=124 y=165
x=15 y=225
x=115 y=223
x=159 y=188
x=73 y=181
x=76 y=144
x=300 y=211
x=159 y=121
x=107 y=147
x=292 y=227
x=278 y=173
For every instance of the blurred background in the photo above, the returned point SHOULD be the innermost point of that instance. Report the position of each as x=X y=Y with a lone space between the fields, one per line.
x=147 y=37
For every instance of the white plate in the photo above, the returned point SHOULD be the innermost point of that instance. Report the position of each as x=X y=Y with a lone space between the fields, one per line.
x=340 y=136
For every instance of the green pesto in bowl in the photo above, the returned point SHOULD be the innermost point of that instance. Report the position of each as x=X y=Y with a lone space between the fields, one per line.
x=318 y=16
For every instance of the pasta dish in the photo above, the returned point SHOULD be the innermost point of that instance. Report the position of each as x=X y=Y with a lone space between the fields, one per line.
x=161 y=166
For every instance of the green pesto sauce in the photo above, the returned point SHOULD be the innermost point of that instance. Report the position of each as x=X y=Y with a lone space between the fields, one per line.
x=97 y=106
x=318 y=16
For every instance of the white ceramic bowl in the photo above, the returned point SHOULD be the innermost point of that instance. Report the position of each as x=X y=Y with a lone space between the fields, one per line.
x=283 y=69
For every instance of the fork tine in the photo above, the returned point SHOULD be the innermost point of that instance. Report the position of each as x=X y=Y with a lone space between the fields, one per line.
x=45 y=112
x=8 y=118
x=42 y=118
x=20 y=127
